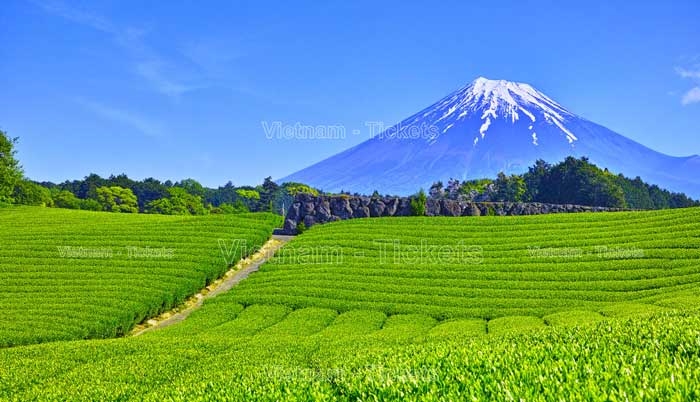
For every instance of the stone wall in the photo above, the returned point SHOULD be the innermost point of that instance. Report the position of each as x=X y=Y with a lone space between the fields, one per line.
x=312 y=210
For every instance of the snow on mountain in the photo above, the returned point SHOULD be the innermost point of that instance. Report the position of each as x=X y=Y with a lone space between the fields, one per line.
x=484 y=128
x=503 y=99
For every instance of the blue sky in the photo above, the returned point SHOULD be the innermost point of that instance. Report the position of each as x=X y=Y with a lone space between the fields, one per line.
x=182 y=90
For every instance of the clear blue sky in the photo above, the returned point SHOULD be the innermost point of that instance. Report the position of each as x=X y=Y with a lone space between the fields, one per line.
x=181 y=89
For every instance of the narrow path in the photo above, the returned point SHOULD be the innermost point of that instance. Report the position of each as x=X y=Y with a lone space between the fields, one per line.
x=230 y=279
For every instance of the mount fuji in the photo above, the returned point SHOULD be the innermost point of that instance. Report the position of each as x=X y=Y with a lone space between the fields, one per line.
x=484 y=128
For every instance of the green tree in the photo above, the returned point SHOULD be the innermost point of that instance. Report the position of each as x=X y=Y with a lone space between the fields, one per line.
x=117 y=199
x=179 y=202
x=480 y=186
x=87 y=188
x=29 y=193
x=65 y=199
x=149 y=190
x=161 y=206
x=267 y=191
x=223 y=195
x=249 y=194
x=237 y=208
x=90 y=205
x=533 y=179
x=192 y=186
x=510 y=188
x=10 y=170
x=418 y=203
x=577 y=181
x=636 y=193
x=184 y=201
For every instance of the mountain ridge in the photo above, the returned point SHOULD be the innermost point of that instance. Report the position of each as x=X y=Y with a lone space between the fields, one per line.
x=485 y=127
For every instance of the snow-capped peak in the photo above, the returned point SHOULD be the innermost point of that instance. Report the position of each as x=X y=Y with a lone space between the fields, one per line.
x=510 y=95
x=494 y=99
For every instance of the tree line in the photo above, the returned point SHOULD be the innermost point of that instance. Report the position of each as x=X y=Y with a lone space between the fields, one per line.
x=572 y=181
x=122 y=194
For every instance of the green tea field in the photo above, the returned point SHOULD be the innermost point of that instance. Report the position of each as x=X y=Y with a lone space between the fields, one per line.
x=556 y=307
x=73 y=275
x=489 y=267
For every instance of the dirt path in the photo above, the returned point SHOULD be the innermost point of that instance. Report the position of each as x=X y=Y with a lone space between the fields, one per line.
x=230 y=279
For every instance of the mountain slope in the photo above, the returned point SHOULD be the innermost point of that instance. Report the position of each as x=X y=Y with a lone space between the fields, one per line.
x=484 y=128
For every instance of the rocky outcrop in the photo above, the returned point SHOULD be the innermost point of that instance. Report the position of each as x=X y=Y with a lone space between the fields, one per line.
x=312 y=210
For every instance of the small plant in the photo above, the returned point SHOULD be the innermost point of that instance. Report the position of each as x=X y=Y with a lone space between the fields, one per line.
x=301 y=228
x=418 y=204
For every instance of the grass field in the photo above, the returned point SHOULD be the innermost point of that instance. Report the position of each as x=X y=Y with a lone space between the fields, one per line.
x=505 y=321
x=68 y=274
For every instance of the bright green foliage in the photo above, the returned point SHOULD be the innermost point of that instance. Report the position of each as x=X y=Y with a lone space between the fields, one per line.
x=66 y=199
x=89 y=204
x=193 y=187
x=572 y=318
x=250 y=194
x=631 y=309
x=180 y=198
x=163 y=206
x=418 y=204
x=179 y=202
x=268 y=352
x=296 y=188
x=283 y=196
x=72 y=274
x=10 y=170
x=514 y=325
x=151 y=193
x=30 y=193
x=117 y=199
x=479 y=186
x=237 y=208
x=458 y=330
x=486 y=267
